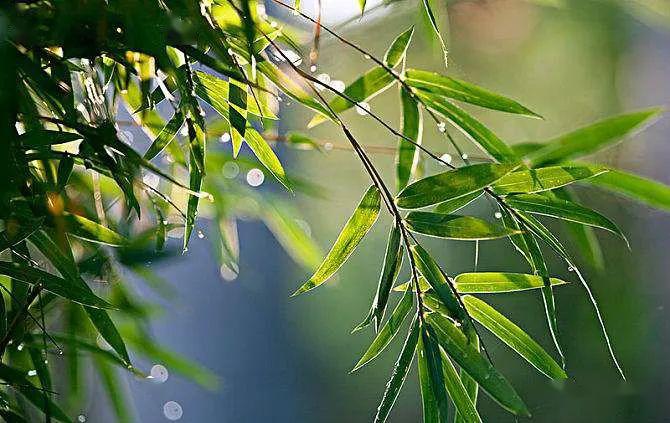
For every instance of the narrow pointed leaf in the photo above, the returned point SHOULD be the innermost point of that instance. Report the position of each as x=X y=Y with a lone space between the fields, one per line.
x=437 y=280
x=636 y=187
x=32 y=393
x=457 y=89
x=388 y=331
x=353 y=232
x=89 y=230
x=166 y=135
x=464 y=406
x=398 y=48
x=451 y=184
x=584 y=237
x=456 y=204
x=544 y=179
x=428 y=400
x=513 y=336
x=435 y=372
x=407 y=157
x=471 y=127
x=369 y=85
x=469 y=383
x=591 y=138
x=399 y=375
x=498 y=282
x=452 y=226
x=433 y=23
x=266 y=156
x=45 y=137
x=562 y=209
x=479 y=368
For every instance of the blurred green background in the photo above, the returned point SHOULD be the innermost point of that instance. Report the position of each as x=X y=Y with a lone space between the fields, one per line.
x=287 y=360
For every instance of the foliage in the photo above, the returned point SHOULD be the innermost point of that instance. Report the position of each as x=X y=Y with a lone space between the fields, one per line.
x=81 y=204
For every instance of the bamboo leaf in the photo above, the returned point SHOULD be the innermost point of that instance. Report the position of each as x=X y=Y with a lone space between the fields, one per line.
x=591 y=138
x=498 y=282
x=32 y=393
x=513 y=336
x=266 y=156
x=388 y=331
x=89 y=230
x=44 y=137
x=471 y=127
x=434 y=83
x=433 y=23
x=452 y=226
x=562 y=209
x=399 y=375
x=456 y=204
x=544 y=179
x=434 y=363
x=428 y=400
x=367 y=86
x=407 y=157
x=636 y=187
x=464 y=406
x=166 y=135
x=437 y=280
x=353 y=232
x=479 y=368
x=398 y=48
x=451 y=185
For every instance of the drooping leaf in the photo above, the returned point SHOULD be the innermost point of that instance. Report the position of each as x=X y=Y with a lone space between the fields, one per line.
x=544 y=179
x=498 y=282
x=353 y=232
x=435 y=372
x=399 y=375
x=469 y=383
x=437 y=281
x=45 y=137
x=479 y=368
x=591 y=138
x=166 y=135
x=266 y=156
x=428 y=400
x=433 y=23
x=471 y=127
x=452 y=226
x=451 y=184
x=390 y=269
x=89 y=230
x=514 y=336
x=562 y=209
x=457 y=89
x=398 y=48
x=407 y=156
x=388 y=331
x=464 y=406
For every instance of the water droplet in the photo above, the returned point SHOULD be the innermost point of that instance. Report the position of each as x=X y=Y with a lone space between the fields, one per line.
x=102 y=343
x=363 y=108
x=46 y=361
x=230 y=170
x=446 y=157
x=227 y=273
x=225 y=137
x=172 y=410
x=183 y=131
x=255 y=177
x=32 y=372
x=498 y=215
x=119 y=30
x=571 y=269
x=464 y=156
x=273 y=24
x=152 y=180
x=81 y=418
x=442 y=127
x=201 y=234
x=338 y=85
x=367 y=56
x=323 y=78
x=20 y=347
x=328 y=146
x=159 y=373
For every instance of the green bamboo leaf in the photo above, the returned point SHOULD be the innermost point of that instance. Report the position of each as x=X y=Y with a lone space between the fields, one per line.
x=451 y=184
x=367 y=86
x=52 y=283
x=435 y=372
x=479 y=368
x=513 y=336
x=64 y=171
x=436 y=29
x=471 y=127
x=498 y=282
x=636 y=187
x=457 y=392
x=196 y=145
x=544 y=179
x=592 y=138
x=452 y=226
x=389 y=331
x=11 y=416
x=115 y=393
x=215 y=91
x=45 y=137
x=456 y=204
x=89 y=230
x=562 y=209
x=16 y=378
x=266 y=156
x=457 y=89
x=437 y=280
x=399 y=375
x=428 y=400
x=389 y=273
x=469 y=383
x=166 y=135
x=398 y=48
x=353 y=232
x=407 y=157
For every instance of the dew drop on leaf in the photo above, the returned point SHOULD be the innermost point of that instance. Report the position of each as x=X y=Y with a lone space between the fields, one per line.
x=338 y=85
x=446 y=157
x=225 y=137
x=498 y=215
x=363 y=108
x=442 y=127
